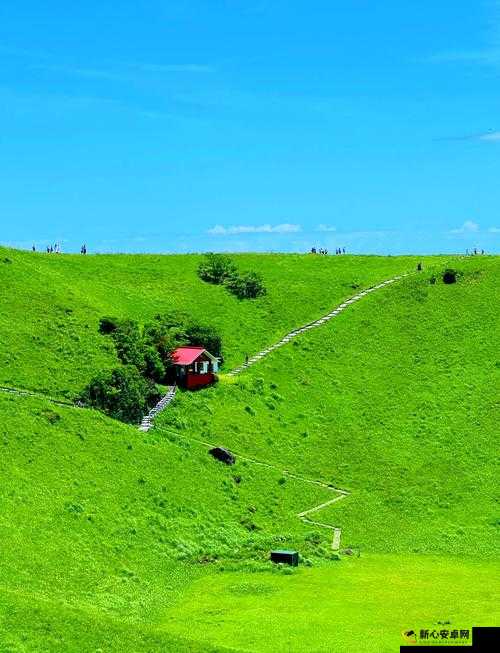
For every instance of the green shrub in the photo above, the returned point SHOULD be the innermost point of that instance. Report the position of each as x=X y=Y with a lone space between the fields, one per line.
x=129 y=343
x=450 y=276
x=215 y=268
x=108 y=324
x=204 y=336
x=154 y=367
x=122 y=393
x=246 y=285
x=220 y=269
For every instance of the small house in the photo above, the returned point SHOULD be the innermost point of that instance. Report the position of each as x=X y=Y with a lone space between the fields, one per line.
x=194 y=366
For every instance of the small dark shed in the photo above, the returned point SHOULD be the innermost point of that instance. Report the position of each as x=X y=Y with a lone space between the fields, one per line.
x=285 y=556
x=223 y=454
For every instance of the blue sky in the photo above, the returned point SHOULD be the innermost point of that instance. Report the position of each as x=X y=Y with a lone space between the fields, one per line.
x=250 y=125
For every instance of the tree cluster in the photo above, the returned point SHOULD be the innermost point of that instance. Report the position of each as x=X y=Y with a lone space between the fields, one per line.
x=128 y=391
x=220 y=269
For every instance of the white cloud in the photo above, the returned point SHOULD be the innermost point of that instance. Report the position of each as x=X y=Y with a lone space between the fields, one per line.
x=490 y=136
x=494 y=230
x=325 y=227
x=219 y=230
x=468 y=227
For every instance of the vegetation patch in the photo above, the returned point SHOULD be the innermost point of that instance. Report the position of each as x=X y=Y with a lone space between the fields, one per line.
x=450 y=276
x=220 y=269
x=127 y=392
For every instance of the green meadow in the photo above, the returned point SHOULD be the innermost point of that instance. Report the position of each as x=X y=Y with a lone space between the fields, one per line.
x=119 y=540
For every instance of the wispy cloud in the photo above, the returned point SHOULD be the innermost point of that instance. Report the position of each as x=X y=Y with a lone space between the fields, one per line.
x=286 y=228
x=468 y=227
x=488 y=137
x=488 y=56
x=494 y=230
x=325 y=227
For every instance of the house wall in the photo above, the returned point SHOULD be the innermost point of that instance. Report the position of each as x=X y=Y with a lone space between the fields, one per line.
x=198 y=380
x=189 y=378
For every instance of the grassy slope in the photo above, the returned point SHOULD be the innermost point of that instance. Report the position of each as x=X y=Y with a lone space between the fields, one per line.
x=104 y=520
x=51 y=305
x=105 y=523
x=396 y=399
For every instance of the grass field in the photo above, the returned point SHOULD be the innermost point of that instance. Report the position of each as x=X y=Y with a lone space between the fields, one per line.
x=118 y=540
x=52 y=305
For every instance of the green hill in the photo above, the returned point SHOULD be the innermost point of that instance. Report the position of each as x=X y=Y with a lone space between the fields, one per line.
x=51 y=305
x=119 y=540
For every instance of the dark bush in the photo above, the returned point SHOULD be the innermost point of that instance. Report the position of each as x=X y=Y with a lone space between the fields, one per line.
x=122 y=393
x=449 y=276
x=128 y=391
x=204 y=336
x=129 y=343
x=108 y=324
x=215 y=268
x=165 y=333
x=153 y=365
x=246 y=285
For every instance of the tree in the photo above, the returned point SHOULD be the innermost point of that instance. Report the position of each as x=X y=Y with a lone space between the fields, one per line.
x=215 y=268
x=246 y=285
x=129 y=343
x=202 y=335
x=154 y=367
x=122 y=394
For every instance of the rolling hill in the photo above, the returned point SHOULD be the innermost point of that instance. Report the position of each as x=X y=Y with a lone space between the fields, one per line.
x=127 y=541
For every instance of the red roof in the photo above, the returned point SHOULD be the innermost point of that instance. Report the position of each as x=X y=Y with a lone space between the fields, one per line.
x=186 y=355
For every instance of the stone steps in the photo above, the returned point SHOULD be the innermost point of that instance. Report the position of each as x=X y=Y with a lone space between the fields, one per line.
x=147 y=420
x=312 y=325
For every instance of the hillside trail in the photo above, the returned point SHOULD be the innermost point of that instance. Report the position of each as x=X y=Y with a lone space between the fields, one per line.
x=147 y=421
x=40 y=395
x=340 y=493
x=313 y=325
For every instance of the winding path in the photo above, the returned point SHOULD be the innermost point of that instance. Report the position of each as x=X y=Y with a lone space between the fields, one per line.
x=339 y=494
x=312 y=325
x=147 y=420
x=40 y=395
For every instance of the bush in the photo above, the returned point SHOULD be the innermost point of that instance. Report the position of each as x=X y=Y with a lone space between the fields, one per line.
x=122 y=393
x=215 y=268
x=129 y=343
x=108 y=324
x=450 y=276
x=205 y=336
x=165 y=333
x=246 y=285
x=154 y=367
